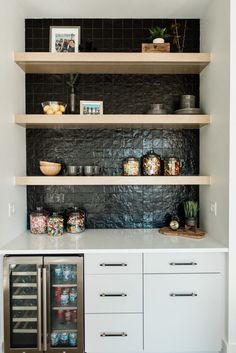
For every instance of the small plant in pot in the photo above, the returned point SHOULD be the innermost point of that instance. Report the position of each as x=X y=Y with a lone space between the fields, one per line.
x=158 y=34
x=191 y=211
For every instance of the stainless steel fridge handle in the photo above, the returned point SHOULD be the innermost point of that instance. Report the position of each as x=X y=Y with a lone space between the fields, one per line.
x=45 y=309
x=39 y=309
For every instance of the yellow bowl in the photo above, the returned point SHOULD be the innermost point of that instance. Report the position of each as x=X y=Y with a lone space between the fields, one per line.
x=50 y=170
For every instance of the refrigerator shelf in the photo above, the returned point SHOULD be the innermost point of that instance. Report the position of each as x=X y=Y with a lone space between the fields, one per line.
x=24 y=285
x=69 y=285
x=22 y=330
x=22 y=307
x=24 y=319
x=24 y=273
x=64 y=307
x=24 y=296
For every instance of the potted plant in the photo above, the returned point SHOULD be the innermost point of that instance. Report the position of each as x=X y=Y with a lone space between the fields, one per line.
x=71 y=83
x=158 y=34
x=191 y=211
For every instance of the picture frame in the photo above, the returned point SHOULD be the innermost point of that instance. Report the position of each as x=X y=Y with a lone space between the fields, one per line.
x=91 y=107
x=64 y=39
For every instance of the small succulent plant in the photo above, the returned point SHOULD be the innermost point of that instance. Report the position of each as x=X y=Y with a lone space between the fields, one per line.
x=158 y=32
x=190 y=209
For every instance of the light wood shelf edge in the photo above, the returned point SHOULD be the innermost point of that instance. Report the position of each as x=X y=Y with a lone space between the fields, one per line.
x=110 y=120
x=113 y=180
x=136 y=63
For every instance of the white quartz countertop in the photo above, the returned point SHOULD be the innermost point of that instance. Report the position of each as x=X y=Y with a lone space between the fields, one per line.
x=110 y=240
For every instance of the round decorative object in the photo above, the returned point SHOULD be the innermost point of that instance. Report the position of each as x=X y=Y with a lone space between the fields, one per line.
x=174 y=224
x=151 y=164
x=158 y=41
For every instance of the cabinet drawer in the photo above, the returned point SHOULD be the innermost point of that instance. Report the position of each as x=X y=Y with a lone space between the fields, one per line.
x=113 y=263
x=183 y=263
x=183 y=313
x=113 y=294
x=113 y=333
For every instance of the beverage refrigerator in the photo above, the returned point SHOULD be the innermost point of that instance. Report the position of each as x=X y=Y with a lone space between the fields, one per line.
x=43 y=304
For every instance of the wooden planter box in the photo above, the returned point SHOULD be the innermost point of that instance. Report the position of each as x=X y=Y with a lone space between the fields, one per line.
x=154 y=48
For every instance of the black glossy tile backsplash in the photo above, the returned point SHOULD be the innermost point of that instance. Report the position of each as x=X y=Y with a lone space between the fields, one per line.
x=109 y=34
x=107 y=206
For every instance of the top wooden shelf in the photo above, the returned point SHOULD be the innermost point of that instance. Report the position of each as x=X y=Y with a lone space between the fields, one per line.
x=112 y=63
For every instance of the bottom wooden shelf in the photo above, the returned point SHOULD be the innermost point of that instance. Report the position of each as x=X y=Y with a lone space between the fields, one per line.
x=113 y=180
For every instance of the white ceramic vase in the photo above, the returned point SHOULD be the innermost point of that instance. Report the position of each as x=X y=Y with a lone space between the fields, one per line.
x=158 y=41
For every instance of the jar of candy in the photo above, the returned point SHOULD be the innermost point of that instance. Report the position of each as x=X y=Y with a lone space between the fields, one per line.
x=55 y=225
x=171 y=166
x=39 y=221
x=131 y=166
x=76 y=221
x=151 y=164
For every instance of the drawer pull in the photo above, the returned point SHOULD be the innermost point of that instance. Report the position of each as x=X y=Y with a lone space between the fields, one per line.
x=183 y=295
x=113 y=295
x=122 y=264
x=110 y=334
x=183 y=263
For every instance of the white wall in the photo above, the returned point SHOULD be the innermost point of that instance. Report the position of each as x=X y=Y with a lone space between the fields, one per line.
x=214 y=140
x=12 y=138
x=232 y=186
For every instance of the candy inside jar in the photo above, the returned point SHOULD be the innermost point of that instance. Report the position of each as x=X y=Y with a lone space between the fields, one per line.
x=55 y=225
x=76 y=221
x=39 y=221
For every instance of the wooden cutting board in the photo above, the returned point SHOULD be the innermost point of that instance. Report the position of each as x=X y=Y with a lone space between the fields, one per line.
x=182 y=232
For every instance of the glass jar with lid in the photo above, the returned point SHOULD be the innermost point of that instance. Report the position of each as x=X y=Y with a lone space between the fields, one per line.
x=55 y=225
x=151 y=164
x=171 y=166
x=39 y=221
x=76 y=221
x=131 y=166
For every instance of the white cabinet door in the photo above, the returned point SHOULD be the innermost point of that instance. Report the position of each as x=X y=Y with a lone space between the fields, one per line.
x=113 y=333
x=184 y=263
x=183 y=313
x=102 y=264
x=113 y=294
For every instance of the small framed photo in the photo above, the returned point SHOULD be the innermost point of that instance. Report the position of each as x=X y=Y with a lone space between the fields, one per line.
x=64 y=39
x=91 y=107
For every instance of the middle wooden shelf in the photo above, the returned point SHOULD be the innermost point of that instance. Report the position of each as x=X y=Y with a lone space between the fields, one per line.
x=109 y=121
x=113 y=180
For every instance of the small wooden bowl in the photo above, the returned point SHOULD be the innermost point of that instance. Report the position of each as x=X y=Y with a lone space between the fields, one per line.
x=50 y=170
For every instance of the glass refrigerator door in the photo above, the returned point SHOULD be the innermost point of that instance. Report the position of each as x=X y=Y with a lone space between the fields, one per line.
x=22 y=289
x=65 y=304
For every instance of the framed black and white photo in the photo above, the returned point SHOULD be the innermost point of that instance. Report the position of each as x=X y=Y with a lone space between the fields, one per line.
x=91 y=107
x=64 y=39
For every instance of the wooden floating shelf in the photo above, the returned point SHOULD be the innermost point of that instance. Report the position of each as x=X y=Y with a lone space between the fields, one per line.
x=112 y=63
x=113 y=180
x=112 y=121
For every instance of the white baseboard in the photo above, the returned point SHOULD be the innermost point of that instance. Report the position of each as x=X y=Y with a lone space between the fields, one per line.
x=229 y=347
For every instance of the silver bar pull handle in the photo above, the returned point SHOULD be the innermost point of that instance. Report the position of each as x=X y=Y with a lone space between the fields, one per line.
x=113 y=334
x=39 y=309
x=122 y=264
x=44 y=309
x=183 y=263
x=113 y=295
x=183 y=294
